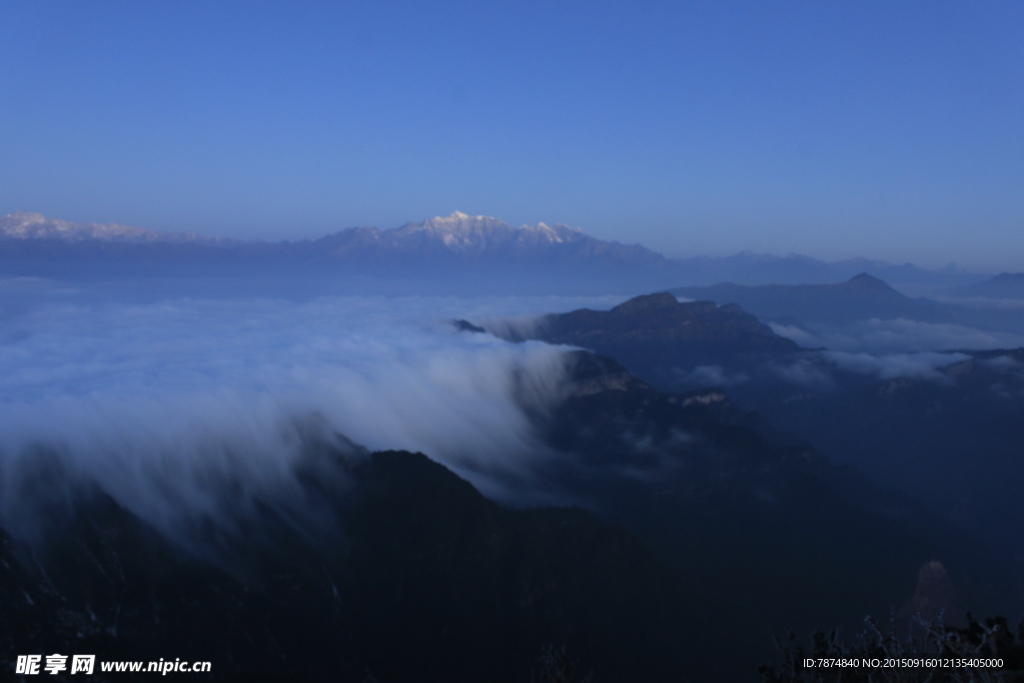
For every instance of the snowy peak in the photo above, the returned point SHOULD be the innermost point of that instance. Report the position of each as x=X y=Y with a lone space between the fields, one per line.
x=460 y=230
x=465 y=236
x=23 y=225
x=457 y=224
x=35 y=226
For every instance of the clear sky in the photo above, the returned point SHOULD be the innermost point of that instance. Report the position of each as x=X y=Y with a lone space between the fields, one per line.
x=885 y=129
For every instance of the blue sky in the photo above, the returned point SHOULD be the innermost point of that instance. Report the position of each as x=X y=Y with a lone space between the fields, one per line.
x=884 y=129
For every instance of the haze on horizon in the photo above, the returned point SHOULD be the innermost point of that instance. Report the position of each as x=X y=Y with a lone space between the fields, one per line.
x=885 y=130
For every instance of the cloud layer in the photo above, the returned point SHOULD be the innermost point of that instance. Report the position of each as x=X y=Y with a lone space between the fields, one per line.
x=162 y=403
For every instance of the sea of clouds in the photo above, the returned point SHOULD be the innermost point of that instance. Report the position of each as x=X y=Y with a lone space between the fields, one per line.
x=160 y=402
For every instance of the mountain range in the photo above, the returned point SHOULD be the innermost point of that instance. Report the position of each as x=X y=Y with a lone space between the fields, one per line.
x=941 y=427
x=861 y=298
x=478 y=244
x=457 y=236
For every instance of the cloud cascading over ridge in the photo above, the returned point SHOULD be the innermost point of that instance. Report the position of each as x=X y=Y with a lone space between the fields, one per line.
x=156 y=403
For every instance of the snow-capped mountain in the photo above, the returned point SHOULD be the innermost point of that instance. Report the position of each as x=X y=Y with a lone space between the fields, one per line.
x=33 y=226
x=456 y=234
x=482 y=237
x=460 y=232
x=444 y=254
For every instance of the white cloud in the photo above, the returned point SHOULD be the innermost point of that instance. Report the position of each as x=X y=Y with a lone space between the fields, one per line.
x=803 y=337
x=157 y=402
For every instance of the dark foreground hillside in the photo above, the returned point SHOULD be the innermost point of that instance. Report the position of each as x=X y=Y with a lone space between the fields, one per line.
x=425 y=580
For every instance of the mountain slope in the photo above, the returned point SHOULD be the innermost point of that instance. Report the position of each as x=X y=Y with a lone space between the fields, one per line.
x=951 y=437
x=716 y=492
x=1002 y=286
x=424 y=580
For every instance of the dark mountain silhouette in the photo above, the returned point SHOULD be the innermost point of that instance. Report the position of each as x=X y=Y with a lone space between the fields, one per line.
x=951 y=438
x=698 y=477
x=424 y=580
x=654 y=335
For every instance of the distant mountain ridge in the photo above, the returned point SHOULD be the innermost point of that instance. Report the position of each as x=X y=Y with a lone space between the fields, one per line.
x=457 y=239
x=861 y=297
x=35 y=226
x=749 y=268
x=456 y=235
x=1002 y=286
